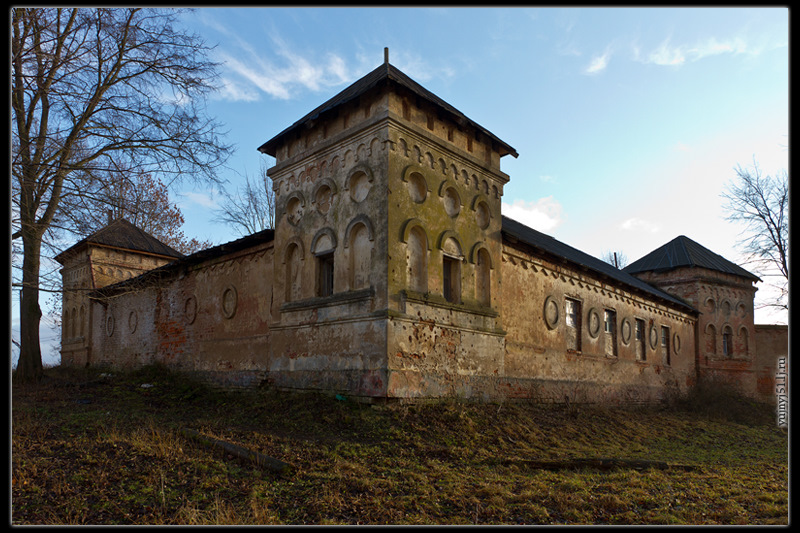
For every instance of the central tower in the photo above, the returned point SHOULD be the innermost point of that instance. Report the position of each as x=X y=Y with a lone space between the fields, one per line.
x=387 y=244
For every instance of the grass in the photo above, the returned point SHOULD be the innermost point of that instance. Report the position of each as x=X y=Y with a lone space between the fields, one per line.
x=89 y=448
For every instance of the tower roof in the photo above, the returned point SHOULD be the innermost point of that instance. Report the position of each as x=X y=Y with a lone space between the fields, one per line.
x=385 y=74
x=122 y=234
x=684 y=252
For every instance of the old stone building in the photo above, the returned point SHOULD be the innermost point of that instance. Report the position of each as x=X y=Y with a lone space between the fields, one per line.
x=391 y=273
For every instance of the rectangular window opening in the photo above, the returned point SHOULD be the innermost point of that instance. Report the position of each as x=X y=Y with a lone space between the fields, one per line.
x=641 y=353
x=665 y=344
x=573 y=319
x=451 y=278
x=611 y=332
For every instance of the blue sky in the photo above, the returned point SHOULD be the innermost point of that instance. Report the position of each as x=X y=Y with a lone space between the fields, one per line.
x=628 y=122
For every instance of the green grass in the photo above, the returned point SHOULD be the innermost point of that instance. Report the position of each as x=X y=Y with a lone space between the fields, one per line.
x=88 y=449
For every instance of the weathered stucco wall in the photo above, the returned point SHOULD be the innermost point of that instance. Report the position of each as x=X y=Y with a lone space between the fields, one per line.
x=553 y=360
x=211 y=319
x=329 y=305
x=91 y=267
x=445 y=335
x=725 y=329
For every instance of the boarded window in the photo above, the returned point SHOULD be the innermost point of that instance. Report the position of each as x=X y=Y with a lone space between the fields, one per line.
x=360 y=257
x=417 y=260
x=610 y=332
x=641 y=350
x=711 y=339
x=665 y=345
x=293 y=273
x=573 y=320
x=483 y=278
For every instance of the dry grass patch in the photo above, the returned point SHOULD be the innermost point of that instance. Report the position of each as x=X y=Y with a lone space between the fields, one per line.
x=110 y=452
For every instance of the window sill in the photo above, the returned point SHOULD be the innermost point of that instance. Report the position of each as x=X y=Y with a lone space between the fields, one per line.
x=436 y=300
x=338 y=298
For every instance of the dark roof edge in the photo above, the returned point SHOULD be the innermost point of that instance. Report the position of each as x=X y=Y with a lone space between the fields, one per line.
x=264 y=236
x=384 y=73
x=530 y=236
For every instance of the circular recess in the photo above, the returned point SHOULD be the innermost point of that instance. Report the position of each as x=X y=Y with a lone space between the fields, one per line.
x=294 y=210
x=359 y=186
x=229 y=301
x=452 y=202
x=551 y=312
x=323 y=199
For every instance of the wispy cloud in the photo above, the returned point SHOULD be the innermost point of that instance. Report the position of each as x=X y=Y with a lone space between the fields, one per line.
x=598 y=63
x=669 y=54
x=543 y=214
x=207 y=200
x=640 y=225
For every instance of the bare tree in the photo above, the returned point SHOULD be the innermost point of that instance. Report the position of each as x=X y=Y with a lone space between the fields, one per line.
x=761 y=203
x=140 y=198
x=616 y=259
x=95 y=92
x=251 y=208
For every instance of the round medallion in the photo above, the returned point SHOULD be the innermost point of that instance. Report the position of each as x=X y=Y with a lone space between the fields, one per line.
x=359 y=186
x=323 y=199
x=190 y=309
x=133 y=320
x=110 y=324
x=551 y=312
x=626 y=330
x=653 y=337
x=452 y=202
x=594 y=323
x=229 y=301
x=294 y=210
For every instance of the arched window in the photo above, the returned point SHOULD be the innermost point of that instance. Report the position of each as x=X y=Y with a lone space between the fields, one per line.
x=744 y=340
x=323 y=247
x=82 y=318
x=727 y=341
x=293 y=286
x=483 y=277
x=711 y=339
x=451 y=270
x=360 y=256
x=417 y=260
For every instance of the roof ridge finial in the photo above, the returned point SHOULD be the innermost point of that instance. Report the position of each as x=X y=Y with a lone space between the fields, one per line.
x=386 y=55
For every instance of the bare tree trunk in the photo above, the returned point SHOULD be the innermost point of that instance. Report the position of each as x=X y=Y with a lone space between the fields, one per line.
x=29 y=366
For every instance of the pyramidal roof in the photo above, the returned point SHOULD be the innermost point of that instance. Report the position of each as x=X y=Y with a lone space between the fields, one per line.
x=684 y=252
x=385 y=74
x=122 y=234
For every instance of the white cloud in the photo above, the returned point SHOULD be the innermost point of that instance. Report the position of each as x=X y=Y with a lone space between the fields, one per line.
x=640 y=225
x=674 y=55
x=203 y=199
x=246 y=73
x=666 y=55
x=543 y=215
x=598 y=63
